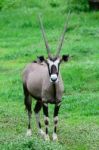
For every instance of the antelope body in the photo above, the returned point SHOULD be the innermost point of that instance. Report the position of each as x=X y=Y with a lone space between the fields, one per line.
x=36 y=79
x=42 y=81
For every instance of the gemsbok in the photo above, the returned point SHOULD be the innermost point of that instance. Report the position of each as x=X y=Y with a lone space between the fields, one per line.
x=42 y=81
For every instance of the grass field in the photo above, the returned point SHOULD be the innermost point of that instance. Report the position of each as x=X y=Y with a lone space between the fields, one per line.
x=20 y=42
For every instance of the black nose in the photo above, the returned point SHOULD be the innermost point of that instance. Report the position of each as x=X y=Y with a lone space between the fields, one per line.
x=53 y=80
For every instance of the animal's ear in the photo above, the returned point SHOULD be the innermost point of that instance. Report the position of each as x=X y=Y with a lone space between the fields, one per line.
x=41 y=58
x=65 y=57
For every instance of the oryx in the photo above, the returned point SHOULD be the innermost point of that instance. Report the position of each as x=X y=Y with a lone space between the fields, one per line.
x=42 y=81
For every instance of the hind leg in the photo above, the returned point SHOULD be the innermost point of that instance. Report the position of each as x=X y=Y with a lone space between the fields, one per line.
x=37 y=109
x=29 y=131
x=28 y=103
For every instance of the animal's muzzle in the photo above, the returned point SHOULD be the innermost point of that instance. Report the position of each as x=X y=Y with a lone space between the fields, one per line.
x=54 y=77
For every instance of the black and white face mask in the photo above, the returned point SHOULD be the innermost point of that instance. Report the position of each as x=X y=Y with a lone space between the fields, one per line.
x=53 y=66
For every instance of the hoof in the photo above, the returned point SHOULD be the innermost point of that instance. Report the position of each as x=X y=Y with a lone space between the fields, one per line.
x=41 y=133
x=29 y=133
x=54 y=137
x=46 y=137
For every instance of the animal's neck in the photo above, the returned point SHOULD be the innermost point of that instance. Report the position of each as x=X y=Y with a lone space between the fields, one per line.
x=54 y=89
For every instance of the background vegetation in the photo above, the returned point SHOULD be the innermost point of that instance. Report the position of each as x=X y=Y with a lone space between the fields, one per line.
x=20 y=42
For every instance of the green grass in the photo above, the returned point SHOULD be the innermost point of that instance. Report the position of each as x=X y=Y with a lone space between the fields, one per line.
x=20 y=42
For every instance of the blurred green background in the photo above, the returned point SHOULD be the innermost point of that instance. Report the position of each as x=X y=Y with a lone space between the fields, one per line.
x=20 y=43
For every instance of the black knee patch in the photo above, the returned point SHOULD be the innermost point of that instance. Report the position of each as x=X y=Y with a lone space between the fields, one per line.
x=39 y=125
x=55 y=122
x=45 y=110
x=55 y=129
x=46 y=122
x=46 y=130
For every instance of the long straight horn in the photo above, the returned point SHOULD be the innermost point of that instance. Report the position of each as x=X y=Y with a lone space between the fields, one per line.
x=63 y=35
x=44 y=36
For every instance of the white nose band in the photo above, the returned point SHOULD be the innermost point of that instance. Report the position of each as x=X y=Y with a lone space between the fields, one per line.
x=54 y=76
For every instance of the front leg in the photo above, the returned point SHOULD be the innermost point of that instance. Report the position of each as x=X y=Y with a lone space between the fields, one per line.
x=46 y=120
x=56 y=110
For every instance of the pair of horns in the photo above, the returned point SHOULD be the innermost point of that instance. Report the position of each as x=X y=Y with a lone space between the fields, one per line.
x=61 y=39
